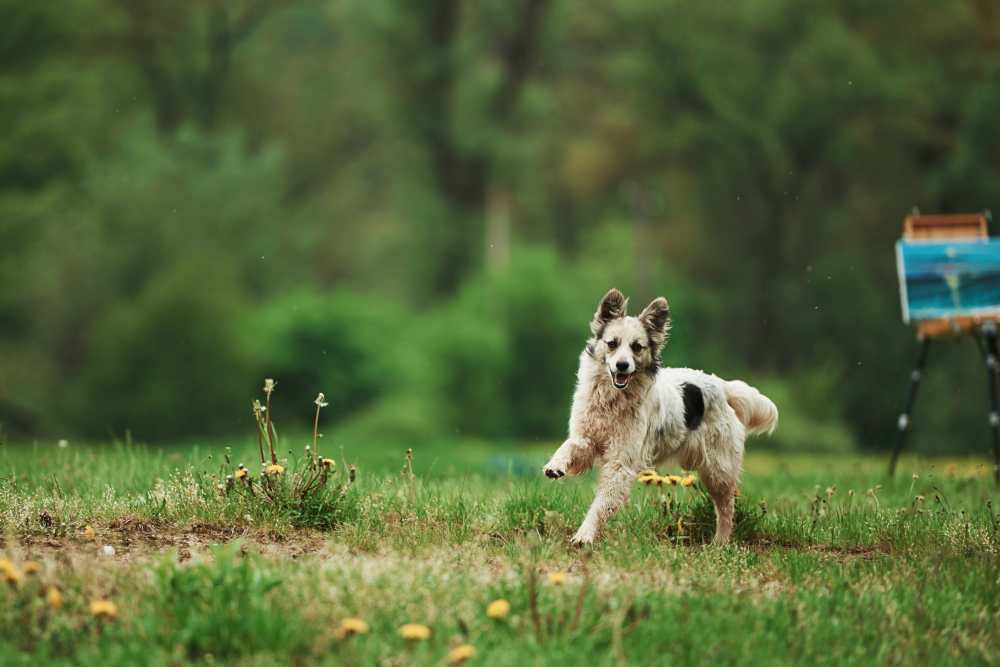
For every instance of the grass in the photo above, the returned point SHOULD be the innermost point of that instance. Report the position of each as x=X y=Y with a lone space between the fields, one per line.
x=834 y=563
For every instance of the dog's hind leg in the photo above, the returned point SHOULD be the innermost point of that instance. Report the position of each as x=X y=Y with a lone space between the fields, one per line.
x=723 y=494
x=612 y=493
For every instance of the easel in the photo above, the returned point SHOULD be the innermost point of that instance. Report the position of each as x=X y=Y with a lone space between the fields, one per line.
x=983 y=329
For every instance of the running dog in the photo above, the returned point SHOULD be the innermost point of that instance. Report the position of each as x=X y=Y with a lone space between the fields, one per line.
x=629 y=414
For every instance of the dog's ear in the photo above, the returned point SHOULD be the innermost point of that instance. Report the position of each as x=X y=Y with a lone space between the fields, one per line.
x=611 y=307
x=656 y=319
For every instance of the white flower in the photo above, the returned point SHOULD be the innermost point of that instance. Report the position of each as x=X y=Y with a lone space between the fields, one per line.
x=321 y=401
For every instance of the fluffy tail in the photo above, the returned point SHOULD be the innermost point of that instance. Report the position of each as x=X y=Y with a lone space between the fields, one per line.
x=752 y=408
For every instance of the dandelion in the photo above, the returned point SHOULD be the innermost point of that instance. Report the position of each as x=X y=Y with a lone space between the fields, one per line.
x=89 y=533
x=321 y=401
x=241 y=472
x=460 y=654
x=328 y=463
x=9 y=571
x=498 y=609
x=688 y=480
x=648 y=477
x=274 y=469
x=63 y=444
x=414 y=632
x=556 y=578
x=350 y=627
x=673 y=480
x=53 y=598
x=103 y=608
x=269 y=386
x=31 y=567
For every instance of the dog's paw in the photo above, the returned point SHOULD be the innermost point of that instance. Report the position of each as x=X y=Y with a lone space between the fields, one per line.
x=583 y=538
x=556 y=467
x=555 y=471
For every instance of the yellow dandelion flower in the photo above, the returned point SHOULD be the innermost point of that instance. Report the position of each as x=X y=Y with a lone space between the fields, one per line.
x=414 y=632
x=688 y=480
x=53 y=597
x=460 y=654
x=104 y=608
x=328 y=463
x=498 y=609
x=351 y=626
x=647 y=477
x=274 y=469
x=89 y=533
x=11 y=575
x=31 y=567
x=240 y=473
x=673 y=480
x=556 y=578
x=6 y=565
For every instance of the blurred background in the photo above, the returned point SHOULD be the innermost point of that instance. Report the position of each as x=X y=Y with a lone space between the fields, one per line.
x=415 y=207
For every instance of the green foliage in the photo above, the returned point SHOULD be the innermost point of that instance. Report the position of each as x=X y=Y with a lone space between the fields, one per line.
x=170 y=361
x=751 y=163
x=343 y=344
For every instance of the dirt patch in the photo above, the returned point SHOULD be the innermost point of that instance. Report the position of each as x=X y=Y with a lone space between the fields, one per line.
x=131 y=539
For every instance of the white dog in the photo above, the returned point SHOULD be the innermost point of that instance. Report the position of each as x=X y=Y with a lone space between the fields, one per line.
x=629 y=415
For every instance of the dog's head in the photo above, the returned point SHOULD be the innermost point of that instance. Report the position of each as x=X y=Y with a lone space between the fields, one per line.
x=627 y=345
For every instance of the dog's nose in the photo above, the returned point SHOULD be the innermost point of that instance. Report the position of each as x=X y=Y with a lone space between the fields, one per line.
x=622 y=366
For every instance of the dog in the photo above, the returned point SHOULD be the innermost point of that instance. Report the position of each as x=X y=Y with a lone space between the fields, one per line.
x=629 y=414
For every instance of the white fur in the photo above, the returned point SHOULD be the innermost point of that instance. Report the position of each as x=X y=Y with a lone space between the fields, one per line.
x=642 y=426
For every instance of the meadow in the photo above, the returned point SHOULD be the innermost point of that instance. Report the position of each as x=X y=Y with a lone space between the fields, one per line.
x=833 y=563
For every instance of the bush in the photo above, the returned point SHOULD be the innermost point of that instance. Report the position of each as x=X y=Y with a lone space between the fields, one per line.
x=341 y=344
x=169 y=363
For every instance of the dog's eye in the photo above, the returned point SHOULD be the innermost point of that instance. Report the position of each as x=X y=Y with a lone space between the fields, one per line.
x=612 y=344
x=636 y=348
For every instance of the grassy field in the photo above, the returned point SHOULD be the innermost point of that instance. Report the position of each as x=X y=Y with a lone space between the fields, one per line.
x=833 y=562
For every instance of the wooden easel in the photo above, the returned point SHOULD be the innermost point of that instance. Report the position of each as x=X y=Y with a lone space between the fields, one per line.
x=983 y=329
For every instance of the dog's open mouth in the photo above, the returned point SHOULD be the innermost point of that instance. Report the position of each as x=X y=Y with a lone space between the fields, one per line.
x=620 y=380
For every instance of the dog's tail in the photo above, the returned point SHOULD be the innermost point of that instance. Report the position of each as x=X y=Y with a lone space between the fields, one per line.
x=752 y=408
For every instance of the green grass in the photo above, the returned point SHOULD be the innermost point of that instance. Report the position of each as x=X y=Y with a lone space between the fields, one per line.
x=834 y=563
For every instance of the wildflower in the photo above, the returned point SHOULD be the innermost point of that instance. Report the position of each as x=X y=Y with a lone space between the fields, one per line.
x=274 y=469
x=414 y=632
x=63 y=444
x=498 y=609
x=688 y=480
x=648 y=477
x=830 y=490
x=460 y=654
x=321 y=401
x=107 y=550
x=103 y=608
x=9 y=571
x=680 y=525
x=328 y=463
x=269 y=385
x=31 y=567
x=672 y=480
x=351 y=626
x=241 y=472
x=53 y=598
x=556 y=578
x=89 y=533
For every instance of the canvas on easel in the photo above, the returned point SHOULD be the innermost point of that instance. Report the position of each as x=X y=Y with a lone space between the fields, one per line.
x=949 y=282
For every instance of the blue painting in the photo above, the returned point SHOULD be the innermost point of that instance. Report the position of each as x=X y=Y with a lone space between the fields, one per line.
x=943 y=280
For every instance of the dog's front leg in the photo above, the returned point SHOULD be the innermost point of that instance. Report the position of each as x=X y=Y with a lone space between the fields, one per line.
x=572 y=458
x=612 y=493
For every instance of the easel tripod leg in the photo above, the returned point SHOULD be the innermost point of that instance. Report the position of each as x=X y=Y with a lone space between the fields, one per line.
x=903 y=424
x=992 y=358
